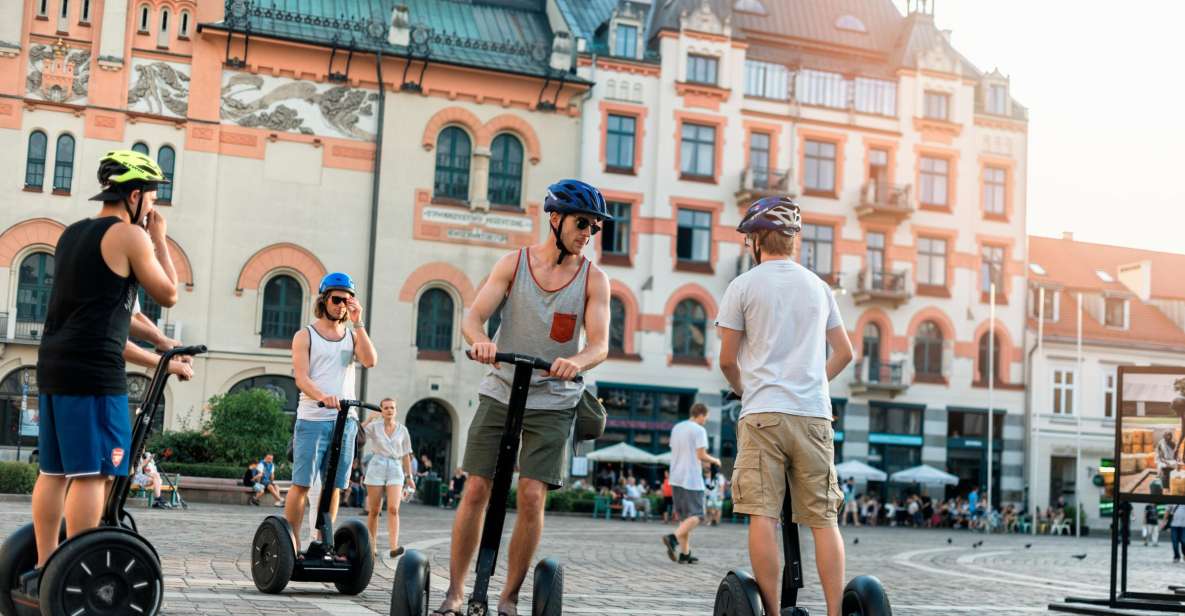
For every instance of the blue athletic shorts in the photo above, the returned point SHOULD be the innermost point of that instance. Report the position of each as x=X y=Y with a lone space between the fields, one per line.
x=310 y=450
x=84 y=435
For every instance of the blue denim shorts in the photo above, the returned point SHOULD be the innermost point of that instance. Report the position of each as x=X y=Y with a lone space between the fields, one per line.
x=310 y=450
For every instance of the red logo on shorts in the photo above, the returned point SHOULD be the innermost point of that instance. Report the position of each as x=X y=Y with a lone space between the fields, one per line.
x=116 y=456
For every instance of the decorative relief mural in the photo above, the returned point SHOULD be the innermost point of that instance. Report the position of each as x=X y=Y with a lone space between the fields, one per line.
x=289 y=105
x=58 y=73
x=160 y=88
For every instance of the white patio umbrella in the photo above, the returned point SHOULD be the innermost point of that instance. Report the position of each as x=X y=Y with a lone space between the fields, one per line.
x=663 y=458
x=859 y=471
x=925 y=475
x=621 y=452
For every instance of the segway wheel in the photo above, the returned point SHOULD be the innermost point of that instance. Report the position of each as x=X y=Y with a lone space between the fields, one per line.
x=865 y=596
x=410 y=591
x=272 y=555
x=18 y=555
x=738 y=595
x=352 y=540
x=547 y=598
x=104 y=572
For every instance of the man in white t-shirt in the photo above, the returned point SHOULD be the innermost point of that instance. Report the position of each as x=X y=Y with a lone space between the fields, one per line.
x=775 y=324
x=689 y=453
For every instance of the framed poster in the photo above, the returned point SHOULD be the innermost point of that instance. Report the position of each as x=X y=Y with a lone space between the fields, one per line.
x=1148 y=434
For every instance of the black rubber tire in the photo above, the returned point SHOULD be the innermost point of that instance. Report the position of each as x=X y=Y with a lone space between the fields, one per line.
x=736 y=596
x=547 y=597
x=410 y=590
x=352 y=539
x=127 y=521
x=865 y=596
x=273 y=555
x=118 y=572
x=18 y=554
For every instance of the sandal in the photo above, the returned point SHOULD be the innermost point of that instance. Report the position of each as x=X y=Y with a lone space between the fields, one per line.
x=449 y=612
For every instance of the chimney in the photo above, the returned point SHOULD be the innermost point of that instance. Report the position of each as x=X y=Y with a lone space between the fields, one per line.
x=400 y=33
x=1068 y=236
x=561 y=51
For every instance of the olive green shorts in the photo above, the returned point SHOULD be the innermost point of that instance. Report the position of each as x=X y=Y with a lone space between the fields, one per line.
x=541 y=453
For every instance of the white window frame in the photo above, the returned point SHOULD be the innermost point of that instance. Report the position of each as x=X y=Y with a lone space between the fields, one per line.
x=877 y=96
x=997 y=104
x=84 y=17
x=43 y=8
x=144 y=19
x=767 y=80
x=183 y=25
x=823 y=88
x=1110 y=386
x=1063 y=392
x=1126 y=312
x=162 y=33
x=64 y=16
x=1052 y=296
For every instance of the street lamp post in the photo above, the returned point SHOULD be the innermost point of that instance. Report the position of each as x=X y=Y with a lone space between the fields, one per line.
x=991 y=414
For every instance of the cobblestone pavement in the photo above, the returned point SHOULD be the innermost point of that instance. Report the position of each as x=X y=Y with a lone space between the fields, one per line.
x=615 y=567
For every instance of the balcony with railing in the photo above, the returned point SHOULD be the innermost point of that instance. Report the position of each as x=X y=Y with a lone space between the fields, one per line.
x=23 y=330
x=879 y=377
x=879 y=286
x=759 y=182
x=884 y=202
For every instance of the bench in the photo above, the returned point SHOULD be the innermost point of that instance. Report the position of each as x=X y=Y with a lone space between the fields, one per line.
x=606 y=504
x=225 y=491
x=167 y=490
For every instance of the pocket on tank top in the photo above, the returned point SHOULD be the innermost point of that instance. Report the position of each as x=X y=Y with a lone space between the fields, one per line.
x=563 y=327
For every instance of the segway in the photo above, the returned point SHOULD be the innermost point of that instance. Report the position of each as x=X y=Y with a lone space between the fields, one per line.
x=739 y=595
x=410 y=593
x=343 y=557
x=110 y=570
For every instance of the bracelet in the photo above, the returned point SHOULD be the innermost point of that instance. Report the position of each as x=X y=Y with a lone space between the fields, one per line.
x=359 y=324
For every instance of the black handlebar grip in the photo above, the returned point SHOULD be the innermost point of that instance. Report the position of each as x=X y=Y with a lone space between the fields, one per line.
x=516 y=359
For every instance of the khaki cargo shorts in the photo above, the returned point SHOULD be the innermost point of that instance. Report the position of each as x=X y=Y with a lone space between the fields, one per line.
x=774 y=446
x=541 y=453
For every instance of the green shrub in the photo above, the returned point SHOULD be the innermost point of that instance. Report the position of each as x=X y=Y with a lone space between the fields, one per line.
x=246 y=425
x=219 y=471
x=17 y=477
x=186 y=446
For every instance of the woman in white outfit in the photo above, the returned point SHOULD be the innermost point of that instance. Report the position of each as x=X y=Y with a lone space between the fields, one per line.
x=389 y=471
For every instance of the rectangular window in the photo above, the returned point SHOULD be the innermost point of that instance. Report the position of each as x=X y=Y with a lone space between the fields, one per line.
x=42 y=8
x=994 y=186
x=698 y=153
x=876 y=96
x=820 y=166
x=818 y=243
x=932 y=261
x=997 y=99
x=1115 y=312
x=935 y=178
x=619 y=142
x=937 y=106
x=1063 y=392
x=767 y=80
x=759 y=159
x=85 y=15
x=1051 y=301
x=895 y=420
x=64 y=17
x=971 y=424
x=992 y=269
x=694 y=238
x=821 y=88
x=1109 y=380
x=615 y=237
x=702 y=69
x=626 y=44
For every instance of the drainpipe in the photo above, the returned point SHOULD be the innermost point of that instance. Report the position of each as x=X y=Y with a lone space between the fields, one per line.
x=376 y=178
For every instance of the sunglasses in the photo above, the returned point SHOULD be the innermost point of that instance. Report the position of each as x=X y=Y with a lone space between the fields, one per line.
x=584 y=223
x=338 y=300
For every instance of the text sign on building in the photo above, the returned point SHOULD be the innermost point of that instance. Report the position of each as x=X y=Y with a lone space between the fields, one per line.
x=460 y=224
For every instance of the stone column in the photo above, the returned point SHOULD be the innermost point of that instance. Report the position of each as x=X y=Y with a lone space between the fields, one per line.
x=479 y=179
x=1012 y=468
x=934 y=437
x=855 y=432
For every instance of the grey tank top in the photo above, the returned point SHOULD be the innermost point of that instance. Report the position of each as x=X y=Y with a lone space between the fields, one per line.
x=546 y=324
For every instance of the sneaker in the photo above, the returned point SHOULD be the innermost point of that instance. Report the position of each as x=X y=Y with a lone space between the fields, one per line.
x=672 y=544
x=30 y=583
x=161 y=504
x=253 y=500
x=278 y=503
x=687 y=559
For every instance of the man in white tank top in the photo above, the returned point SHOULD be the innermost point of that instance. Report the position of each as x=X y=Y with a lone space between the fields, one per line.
x=323 y=356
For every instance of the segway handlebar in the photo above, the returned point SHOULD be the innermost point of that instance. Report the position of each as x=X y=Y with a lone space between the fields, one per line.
x=345 y=405
x=196 y=349
x=732 y=397
x=518 y=359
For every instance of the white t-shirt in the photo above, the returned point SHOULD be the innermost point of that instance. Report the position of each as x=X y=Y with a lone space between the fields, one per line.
x=687 y=471
x=785 y=311
x=395 y=446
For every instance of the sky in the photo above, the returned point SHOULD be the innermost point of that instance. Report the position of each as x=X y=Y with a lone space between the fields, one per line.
x=1106 y=110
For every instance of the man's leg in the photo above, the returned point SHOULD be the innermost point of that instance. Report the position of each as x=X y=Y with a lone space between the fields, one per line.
x=84 y=503
x=49 y=496
x=764 y=550
x=275 y=492
x=683 y=533
x=294 y=509
x=466 y=532
x=829 y=559
x=528 y=526
x=156 y=481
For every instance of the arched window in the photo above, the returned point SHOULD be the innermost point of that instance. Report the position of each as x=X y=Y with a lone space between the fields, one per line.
x=927 y=351
x=85 y=16
x=166 y=157
x=17 y=390
x=34 y=283
x=872 y=351
x=63 y=164
x=35 y=160
x=689 y=330
x=162 y=35
x=282 y=387
x=143 y=23
x=140 y=147
x=506 y=170
x=183 y=30
x=984 y=364
x=282 y=300
x=452 y=164
x=616 y=325
x=137 y=389
x=434 y=321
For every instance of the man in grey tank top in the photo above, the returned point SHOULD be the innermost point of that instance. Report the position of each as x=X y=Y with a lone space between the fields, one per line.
x=548 y=293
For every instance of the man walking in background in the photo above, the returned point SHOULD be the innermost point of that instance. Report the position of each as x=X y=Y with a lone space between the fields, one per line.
x=689 y=453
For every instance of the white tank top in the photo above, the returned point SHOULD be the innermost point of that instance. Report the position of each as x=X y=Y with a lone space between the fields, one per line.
x=331 y=368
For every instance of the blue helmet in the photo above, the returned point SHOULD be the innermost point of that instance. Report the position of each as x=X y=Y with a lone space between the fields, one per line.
x=339 y=281
x=575 y=197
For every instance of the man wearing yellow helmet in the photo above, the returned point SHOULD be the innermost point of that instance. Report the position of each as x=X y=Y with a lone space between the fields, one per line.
x=98 y=265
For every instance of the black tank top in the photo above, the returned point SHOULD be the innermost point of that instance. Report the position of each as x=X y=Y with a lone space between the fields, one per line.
x=90 y=309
